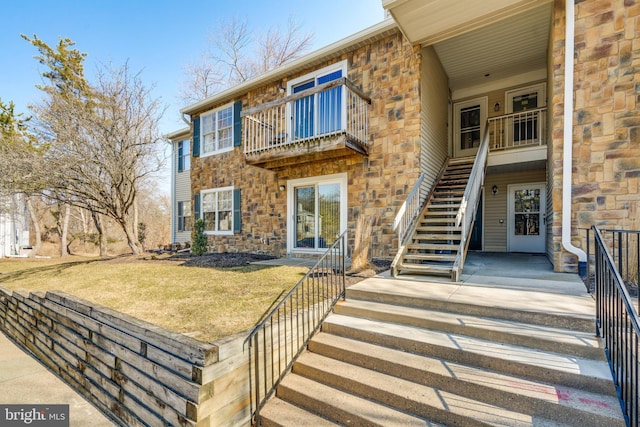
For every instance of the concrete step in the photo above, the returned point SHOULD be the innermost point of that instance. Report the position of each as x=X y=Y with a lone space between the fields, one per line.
x=534 y=307
x=570 y=371
x=561 y=404
x=407 y=396
x=340 y=407
x=278 y=413
x=576 y=343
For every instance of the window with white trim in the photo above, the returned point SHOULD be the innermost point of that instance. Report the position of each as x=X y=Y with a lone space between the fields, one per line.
x=217 y=210
x=184 y=156
x=184 y=216
x=216 y=130
x=322 y=112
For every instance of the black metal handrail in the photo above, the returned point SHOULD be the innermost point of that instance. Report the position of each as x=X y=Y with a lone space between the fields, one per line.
x=277 y=341
x=617 y=324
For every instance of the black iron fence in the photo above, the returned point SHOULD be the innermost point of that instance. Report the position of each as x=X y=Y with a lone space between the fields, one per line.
x=280 y=338
x=624 y=246
x=617 y=323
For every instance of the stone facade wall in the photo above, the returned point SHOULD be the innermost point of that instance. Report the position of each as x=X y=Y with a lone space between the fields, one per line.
x=606 y=127
x=388 y=71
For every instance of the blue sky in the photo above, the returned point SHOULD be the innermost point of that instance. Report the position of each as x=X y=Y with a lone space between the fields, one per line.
x=158 y=38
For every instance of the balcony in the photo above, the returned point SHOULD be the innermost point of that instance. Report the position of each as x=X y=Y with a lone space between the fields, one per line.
x=518 y=138
x=328 y=121
x=518 y=130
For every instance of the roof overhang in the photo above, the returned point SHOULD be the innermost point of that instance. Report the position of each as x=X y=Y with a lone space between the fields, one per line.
x=178 y=134
x=334 y=50
x=426 y=22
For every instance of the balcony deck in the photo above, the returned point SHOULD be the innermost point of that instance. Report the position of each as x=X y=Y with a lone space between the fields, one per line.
x=325 y=122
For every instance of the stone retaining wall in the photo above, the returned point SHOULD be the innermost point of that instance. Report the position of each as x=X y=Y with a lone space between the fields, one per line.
x=135 y=372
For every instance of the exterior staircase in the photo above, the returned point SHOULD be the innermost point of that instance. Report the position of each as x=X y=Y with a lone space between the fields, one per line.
x=399 y=352
x=434 y=242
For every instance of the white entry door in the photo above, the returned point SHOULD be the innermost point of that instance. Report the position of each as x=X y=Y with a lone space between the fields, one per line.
x=470 y=118
x=527 y=219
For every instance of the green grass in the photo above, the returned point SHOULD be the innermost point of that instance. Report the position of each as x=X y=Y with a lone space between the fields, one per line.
x=205 y=303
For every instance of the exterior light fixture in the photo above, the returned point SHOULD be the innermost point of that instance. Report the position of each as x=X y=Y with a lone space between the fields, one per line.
x=494 y=189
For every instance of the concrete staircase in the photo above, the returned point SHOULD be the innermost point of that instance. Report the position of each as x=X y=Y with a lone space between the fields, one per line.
x=401 y=352
x=435 y=239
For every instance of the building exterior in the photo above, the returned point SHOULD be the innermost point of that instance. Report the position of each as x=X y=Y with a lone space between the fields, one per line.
x=181 y=204
x=14 y=226
x=286 y=162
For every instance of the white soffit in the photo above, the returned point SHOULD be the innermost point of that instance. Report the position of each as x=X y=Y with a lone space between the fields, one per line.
x=499 y=51
x=427 y=22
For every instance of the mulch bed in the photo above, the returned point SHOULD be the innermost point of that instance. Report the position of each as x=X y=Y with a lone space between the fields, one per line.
x=241 y=259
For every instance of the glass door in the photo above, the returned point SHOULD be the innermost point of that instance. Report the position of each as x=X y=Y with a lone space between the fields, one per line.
x=317 y=215
x=527 y=219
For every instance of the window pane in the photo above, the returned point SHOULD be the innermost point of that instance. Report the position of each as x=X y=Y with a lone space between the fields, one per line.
x=206 y=122
x=328 y=214
x=208 y=143
x=224 y=220
x=305 y=229
x=225 y=139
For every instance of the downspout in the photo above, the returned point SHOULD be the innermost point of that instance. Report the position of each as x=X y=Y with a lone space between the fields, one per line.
x=567 y=161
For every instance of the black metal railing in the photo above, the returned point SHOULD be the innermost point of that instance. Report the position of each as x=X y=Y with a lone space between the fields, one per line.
x=624 y=246
x=277 y=341
x=617 y=324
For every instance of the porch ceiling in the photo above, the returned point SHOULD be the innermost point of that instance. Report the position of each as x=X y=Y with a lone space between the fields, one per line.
x=478 y=42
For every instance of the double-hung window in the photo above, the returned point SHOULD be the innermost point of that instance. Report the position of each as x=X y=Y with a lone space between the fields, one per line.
x=184 y=216
x=184 y=156
x=217 y=210
x=216 y=130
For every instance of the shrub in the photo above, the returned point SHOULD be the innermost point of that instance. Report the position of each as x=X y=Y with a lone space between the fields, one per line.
x=199 y=239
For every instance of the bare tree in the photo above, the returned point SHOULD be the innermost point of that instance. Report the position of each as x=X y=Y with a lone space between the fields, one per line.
x=234 y=55
x=102 y=138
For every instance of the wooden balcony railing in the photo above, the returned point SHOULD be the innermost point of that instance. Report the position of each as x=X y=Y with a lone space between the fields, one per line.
x=518 y=130
x=333 y=109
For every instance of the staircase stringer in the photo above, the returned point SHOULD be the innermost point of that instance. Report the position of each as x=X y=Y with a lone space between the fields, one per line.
x=402 y=246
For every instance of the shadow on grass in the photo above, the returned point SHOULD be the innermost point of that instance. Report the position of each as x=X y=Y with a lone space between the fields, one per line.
x=54 y=269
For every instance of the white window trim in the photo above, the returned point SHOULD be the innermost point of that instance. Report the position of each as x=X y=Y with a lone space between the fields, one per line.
x=339 y=178
x=217 y=190
x=185 y=143
x=219 y=151
x=540 y=88
x=342 y=65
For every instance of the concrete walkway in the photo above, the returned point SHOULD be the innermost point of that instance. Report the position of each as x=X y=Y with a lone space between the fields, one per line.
x=24 y=380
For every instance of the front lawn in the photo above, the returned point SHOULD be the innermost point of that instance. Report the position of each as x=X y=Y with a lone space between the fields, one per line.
x=203 y=302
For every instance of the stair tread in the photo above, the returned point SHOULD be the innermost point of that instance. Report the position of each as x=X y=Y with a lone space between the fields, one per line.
x=429 y=257
x=345 y=408
x=432 y=246
x=511 y=358
x=549 y=337
x=277 y=412
x=425 y=268
x=467 y=380
x=570 y=310
x=426 y=402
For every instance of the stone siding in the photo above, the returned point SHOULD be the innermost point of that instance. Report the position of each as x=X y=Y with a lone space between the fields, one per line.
x=606 y=127
x=388 y=71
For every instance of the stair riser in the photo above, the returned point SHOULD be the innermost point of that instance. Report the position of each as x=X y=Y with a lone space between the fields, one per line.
x=386 y=397
x=461 y=329
x=488 y=362
x=544 y=319
x=492 y=396
x=317 y=406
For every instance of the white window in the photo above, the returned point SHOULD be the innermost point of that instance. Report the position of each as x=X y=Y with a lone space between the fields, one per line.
x=217 y=210
x=184 y=216
x=323 y=112
x=184 y=156
x=216 y=131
